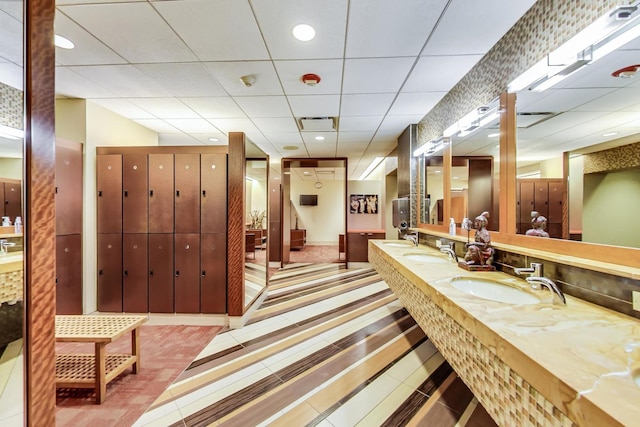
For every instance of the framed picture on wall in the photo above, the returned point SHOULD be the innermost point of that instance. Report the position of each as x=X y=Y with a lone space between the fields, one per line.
x=363 y=204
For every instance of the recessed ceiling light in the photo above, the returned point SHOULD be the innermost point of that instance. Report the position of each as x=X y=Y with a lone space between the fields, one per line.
x=438 y=171
x=306 y=172
x=303 y=32
x=62 y=42
x=493 y=135
x=319 y=138
x=214 y=139
x=610 y=134
x=456 y=177
x=290 y=147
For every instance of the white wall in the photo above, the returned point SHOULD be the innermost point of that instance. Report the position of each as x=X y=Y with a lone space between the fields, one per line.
x=256 y=194
x=325 y=221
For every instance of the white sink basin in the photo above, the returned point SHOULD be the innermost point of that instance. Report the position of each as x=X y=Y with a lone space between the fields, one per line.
x=419 y=257
x=396 y=244
x=494 y=291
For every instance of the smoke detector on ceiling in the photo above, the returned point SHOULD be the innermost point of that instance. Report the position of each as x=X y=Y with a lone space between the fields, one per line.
x=311 y=79
x=626 y=72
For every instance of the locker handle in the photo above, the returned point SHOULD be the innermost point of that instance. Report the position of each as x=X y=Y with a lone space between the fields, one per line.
x=99 y=272
x=100 y=193
x=177 y=193
x=178 y=273
x=204 y=273
x=151 y=273
x=56 y=190
x=125 y=273
x=126 y=193
x=56 y=280
x=204 y=193
x=150 y=193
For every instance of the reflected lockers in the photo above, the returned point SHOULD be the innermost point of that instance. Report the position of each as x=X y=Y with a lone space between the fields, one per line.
x=164 y=249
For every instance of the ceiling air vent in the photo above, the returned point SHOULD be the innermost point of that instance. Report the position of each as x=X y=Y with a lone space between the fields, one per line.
x=318 y=124
x=526 y=120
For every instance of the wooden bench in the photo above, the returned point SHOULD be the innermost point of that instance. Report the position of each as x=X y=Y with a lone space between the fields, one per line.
x=98 y=369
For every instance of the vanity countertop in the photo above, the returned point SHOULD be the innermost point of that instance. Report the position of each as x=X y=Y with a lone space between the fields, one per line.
x=11 y=262
x=579 y=356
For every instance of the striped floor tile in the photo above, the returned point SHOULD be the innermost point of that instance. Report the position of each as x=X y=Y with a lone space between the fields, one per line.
x=328 y=347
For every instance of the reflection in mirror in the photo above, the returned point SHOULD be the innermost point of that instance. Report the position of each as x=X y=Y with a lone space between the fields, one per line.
x=433 y=194
x=11 y=261
x=256 y=208
x=592 y=116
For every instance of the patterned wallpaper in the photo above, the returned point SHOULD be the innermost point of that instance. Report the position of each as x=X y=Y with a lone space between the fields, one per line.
x=11 y=107
x=624 y=157
x=546 y=26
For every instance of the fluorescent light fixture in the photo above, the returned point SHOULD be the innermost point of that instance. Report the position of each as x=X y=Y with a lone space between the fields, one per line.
x=62 y=42
x=374 y=164
x=534 y=174
x=319 y=138
x=550 y=81
x=493 y=135
x=212 y=139
x=431 y=147
x=248 y=178
x=11 y=133
x=452 y=130
x=303 y=32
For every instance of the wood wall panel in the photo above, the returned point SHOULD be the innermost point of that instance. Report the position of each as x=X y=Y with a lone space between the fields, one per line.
x=235 y=224
x=39 y=213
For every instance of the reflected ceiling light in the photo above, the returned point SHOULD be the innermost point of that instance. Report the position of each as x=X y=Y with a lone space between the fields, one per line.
x=212 y=139
x=63 y=42
x=374 y=164
x=303 y=32
x=493 y=135
x=319 y=138
x=610 y=134
x=248 y=178
x=603 y=36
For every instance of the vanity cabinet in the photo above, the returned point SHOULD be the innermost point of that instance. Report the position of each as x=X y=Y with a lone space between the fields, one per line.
x=298 y=239
x=358 y=244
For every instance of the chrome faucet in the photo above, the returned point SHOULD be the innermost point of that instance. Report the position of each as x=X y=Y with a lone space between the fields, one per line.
x=449 y=248
x=537 y=280
x=3 y=248
x=412 y=237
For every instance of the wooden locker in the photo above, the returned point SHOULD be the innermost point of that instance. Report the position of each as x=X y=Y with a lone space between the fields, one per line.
x=161 y=273
x=187 y=273
x=556 y=195
x=161 y=193
x=213 y=185
x=109 y=192
x=110 y=272
x=2 y=199
x=135 y=287
x=541 y=198
x=526 y=201
x=187 y=193
x=12 y=200
x=69 y=274
x=135 y=187
x=68 y=190
x=213 y=280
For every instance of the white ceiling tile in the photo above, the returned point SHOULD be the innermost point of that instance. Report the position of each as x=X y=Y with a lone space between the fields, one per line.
x=121 y=80
x=276 y=19
x=193 y=125
x=157 y=125
x=371 y=22
x=180 y=79
x=13 y=9
x=74 y=85
x=203 y=138
x=329 y=71
x=284 y=138
x=359 y=123
x=234 y=125
x=482 y=24
x=366 y=105
x=379 y=75
x=123 y=108
x=229 y=73
x=220 y=107
x=415 y=103
x=165 y=108
x=557 y=100
x=321 y=151
x=382 y=147
x=310 y=137
x=356 y=148
x=11 y=75
x=269 y=125
x=264 y=106
x=176 y=139
x=350 y=137
x=88 y=50
x=399 y=123
x=133 y=30
x=315 y=105
x=439 y=73
x=619 y=99
x=386 y=136
x=11 y=40
x=216 y=30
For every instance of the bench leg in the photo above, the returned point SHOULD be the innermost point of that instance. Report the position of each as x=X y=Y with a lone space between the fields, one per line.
x=135 y=349
x=101 y=382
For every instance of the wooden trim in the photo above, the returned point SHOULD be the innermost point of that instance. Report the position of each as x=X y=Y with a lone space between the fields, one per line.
x=565 y=195
x=39 y=213
x=507 y=179
x=236 y=170
x=165 y=149
x=447 y=163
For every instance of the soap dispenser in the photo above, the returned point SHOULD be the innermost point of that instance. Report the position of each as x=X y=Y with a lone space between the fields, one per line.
x=452 y=227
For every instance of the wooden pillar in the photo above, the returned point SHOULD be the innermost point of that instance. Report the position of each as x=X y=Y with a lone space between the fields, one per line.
x=446 y=184
x=565 y=195
x=39 y=213
x=508 y=142
x=235 y=224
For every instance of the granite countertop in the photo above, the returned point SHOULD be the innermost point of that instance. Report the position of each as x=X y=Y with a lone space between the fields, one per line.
x=579 y=356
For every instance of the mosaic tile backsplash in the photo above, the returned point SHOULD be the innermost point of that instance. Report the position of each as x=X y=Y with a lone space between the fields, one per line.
x=11 y=107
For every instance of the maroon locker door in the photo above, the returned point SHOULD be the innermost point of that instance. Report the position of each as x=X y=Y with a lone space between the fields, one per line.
x=110 y=272
x=135 y=290
x=161 y=193
x=161 y=273
x=135 y=187
x=213 y=185
x=213 y=280
x=541 y=198
x=556 y=193
x=526 y=202
x=187 y=273
x=12 y=200
x=69 y=274
x=68 y=190
x=109 y=189
x=187 y=193
x=2 y=200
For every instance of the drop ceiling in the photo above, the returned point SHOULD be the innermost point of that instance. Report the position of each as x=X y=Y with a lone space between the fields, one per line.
x=175 y=66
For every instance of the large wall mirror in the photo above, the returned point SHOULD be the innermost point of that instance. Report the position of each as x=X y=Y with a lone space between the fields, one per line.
x=11 y=172
x=256 y=223
x=593 y=116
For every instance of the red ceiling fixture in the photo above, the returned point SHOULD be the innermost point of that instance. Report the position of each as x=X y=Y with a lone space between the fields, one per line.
x=626 y=72
x=311 y=79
